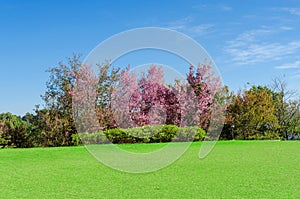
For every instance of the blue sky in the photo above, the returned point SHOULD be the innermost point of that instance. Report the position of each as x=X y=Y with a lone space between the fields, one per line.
x=250 y=41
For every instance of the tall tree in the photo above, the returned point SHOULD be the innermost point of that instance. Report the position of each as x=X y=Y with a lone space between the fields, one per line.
x=92 y=97
x=58 y=123
x=252 y=113
x=227 y=131
x=208 y=89
x=108 y=78
x=84 y=100
x=287 y=106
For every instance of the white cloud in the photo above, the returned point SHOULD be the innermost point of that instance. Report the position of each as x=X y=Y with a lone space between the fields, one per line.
x=221 y=7
x=292 y=11
x=250 y=36
x=226 y=8
x=188 y=26
x=296 y=64
x=286 y=28
x=249 y=48
x=182 y=21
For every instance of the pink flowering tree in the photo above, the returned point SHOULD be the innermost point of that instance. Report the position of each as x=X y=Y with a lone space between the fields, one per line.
x=84 y=100
x=149 y=100
x=207 y=87
x=121 y=95
x=153 y=102
x=144 y=101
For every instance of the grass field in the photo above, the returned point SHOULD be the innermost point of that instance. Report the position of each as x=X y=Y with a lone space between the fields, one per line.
x=234 y=169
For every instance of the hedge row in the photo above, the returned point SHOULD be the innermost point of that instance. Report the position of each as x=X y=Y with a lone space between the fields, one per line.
x=145 y=134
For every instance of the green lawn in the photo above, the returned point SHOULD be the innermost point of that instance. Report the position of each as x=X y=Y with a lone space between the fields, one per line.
x=234 y=169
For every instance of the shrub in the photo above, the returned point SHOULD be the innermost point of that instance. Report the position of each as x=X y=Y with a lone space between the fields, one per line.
x=145 y=134
x=117 y=136
x=168 y=132
x=76 y=139
x=93 y=138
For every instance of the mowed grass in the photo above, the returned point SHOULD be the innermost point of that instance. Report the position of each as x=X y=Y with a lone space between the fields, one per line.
x=234 y=169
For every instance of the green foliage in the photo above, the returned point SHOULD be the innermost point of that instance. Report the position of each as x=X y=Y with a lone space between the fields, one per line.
x=76 y=139
x=145 y=134
x=116 y=135
x=15 y=132
x=200 y=134
x=55 y=120
x=35 y=131
x=94 y=138
x=108 y=77
x=287 y=109
x=193 y=133
x=168 y=132
x=4 y=139
x=251 y=115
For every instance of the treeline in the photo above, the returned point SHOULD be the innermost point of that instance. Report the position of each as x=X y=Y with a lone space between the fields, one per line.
x=263 y=112
x=259 y=112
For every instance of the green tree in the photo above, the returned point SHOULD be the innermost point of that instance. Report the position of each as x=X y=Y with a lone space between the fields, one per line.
x=292 y=120
x=56 y=118
x=227 y=131
x=15 y=132
x=107 y=79
x=4 y=137
x=252 y=113
x=286 y=108
x=33 y=121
